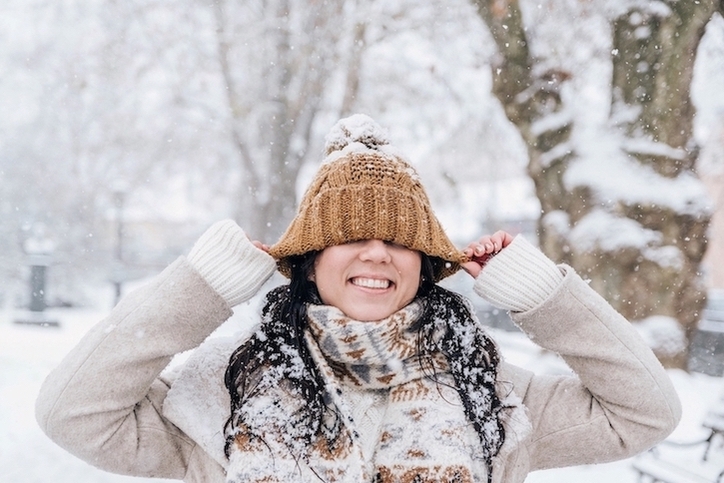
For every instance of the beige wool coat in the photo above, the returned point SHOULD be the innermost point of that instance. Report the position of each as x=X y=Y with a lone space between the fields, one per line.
x=105 y=403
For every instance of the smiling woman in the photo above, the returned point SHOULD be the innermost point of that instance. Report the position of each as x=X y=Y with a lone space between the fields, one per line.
x=362 y=368
x=367 y=279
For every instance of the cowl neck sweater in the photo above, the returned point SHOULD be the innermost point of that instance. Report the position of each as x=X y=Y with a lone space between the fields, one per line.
x=423 y=433
x=373 y=355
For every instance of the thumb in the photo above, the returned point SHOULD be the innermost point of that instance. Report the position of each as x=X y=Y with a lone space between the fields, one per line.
x=472 y=268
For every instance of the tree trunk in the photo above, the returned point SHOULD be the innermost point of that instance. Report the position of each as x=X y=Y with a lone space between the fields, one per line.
x=653 y=64
x=531 y=98
x=354 y=65
x=271 y=127
x=654 y=54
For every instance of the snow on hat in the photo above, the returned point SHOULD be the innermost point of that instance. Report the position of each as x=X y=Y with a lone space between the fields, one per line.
x=365 y=190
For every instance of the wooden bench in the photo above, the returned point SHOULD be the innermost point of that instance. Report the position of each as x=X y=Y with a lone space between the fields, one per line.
x=671 y=462
x=653 y=469
x=714 y=422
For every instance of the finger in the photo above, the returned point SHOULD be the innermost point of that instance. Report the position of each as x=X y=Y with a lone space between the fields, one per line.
x=502 y=239
x=485 y=245
x=482 y=259
x=472 y=249
x=260 y=245
x=472 y=268
x=497 y=240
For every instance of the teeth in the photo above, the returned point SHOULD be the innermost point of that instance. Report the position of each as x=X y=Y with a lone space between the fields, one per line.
x=371 y=282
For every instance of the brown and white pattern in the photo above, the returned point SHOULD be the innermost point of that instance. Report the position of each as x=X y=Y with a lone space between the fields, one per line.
x=373 y=355
x=423 y=436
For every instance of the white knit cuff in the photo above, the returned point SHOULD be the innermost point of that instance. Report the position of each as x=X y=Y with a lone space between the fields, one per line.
x=230 y=263
x=519 y=278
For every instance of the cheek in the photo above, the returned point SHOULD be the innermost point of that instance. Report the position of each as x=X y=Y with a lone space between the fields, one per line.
x=412 y=271
x=322 y=277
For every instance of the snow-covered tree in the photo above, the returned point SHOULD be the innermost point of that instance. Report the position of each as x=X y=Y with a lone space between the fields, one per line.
x=619 y=194
x=277 y=59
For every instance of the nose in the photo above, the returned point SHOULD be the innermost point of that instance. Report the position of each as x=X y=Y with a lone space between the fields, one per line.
x=375 y=251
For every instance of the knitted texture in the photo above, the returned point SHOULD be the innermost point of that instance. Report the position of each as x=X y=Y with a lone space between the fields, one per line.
x=364 y=190
x=519 y=278
x=230 y=263
x=375 y=355
x=422 y=434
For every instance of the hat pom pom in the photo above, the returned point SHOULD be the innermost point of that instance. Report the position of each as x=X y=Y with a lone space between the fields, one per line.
x=358 y=128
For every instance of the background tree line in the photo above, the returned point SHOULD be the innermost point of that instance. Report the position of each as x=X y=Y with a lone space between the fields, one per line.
x=218 y=108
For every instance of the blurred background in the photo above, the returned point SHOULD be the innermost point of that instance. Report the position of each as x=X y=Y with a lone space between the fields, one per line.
x=596 y=129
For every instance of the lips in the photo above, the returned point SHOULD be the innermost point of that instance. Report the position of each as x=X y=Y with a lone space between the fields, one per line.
x=375 y=283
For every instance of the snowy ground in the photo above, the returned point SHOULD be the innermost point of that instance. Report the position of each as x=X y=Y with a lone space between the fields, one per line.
x=27 y=354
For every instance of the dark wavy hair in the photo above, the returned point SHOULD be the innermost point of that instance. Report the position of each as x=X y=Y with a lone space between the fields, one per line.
x=473 y=362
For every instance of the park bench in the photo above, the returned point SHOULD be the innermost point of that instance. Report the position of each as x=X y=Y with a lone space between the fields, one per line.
x=714 y=422
x=671 y=462
x=653 y=468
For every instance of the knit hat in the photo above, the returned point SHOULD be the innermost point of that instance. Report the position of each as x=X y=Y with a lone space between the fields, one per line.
x=366 y=190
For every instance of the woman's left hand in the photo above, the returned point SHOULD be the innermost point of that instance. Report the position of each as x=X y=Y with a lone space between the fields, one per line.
x=260 y=245
x=481 y=250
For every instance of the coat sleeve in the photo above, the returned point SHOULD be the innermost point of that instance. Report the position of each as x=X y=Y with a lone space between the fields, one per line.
x=620 y=401
x=103 y=403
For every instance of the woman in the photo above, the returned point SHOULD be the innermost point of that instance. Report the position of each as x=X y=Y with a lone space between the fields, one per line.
x=362 y=368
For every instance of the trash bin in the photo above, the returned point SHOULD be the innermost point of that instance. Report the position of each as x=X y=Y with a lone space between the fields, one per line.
x=39 y=249
x=706 y=352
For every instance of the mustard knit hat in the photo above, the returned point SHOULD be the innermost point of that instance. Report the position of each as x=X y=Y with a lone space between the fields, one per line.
x=365 y=190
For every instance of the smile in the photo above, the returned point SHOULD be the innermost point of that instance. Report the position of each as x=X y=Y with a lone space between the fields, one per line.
x=370 y=282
